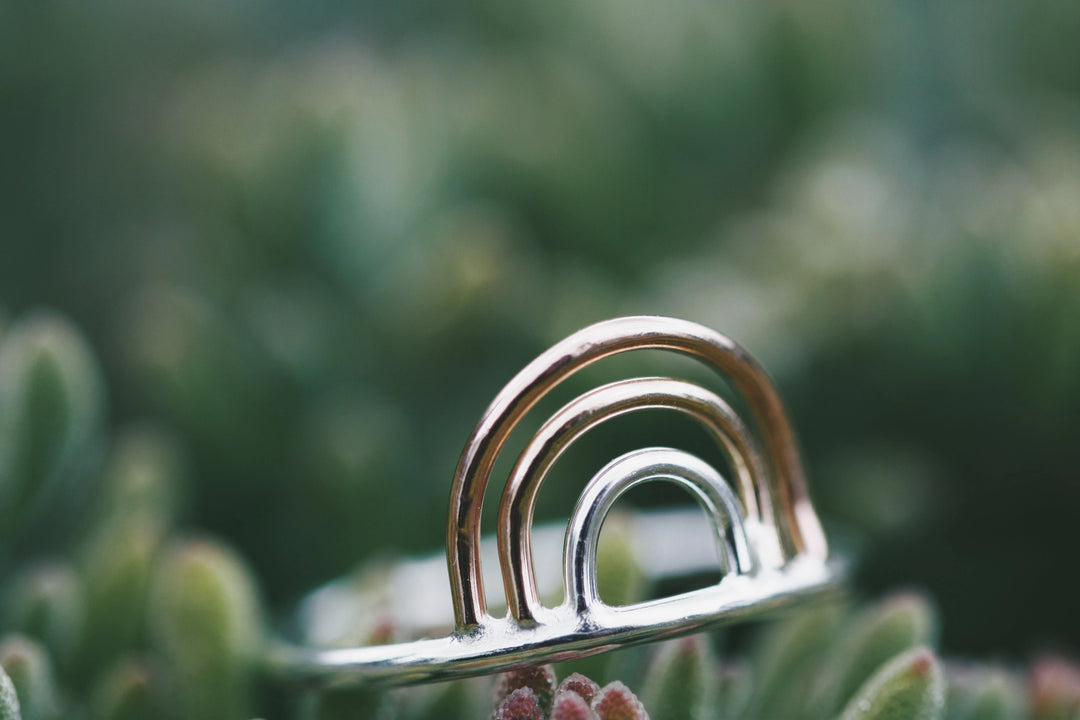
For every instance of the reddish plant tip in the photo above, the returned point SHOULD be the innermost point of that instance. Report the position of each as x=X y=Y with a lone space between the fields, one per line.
x=521 y=704
x=922 y=663
x=688 y=643
x=578 y=683
x=616 y=702
x=539 y=679
x=382 y=632
x=568 y=705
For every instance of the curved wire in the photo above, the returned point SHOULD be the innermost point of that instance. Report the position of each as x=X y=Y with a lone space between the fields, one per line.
x=798 y=526
x=627 y=471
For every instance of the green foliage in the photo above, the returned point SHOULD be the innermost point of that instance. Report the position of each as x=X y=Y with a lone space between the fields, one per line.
x=31 y=672
x=540 y=680
x=785 y=659
x=346 y=704
x=148 y=625
x=9 y=700
x=571 y=706
x=875 y=635
x=908 y=687
x=311 y=240
x=614 y=701
x=681 y=682
x=47 y=602
x=205 y=620
x=51 y=408
x=984 y=693
x=130 y=690
x=116 y=565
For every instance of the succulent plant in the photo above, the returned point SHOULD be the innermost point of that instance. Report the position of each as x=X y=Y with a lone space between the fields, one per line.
x=148 y=621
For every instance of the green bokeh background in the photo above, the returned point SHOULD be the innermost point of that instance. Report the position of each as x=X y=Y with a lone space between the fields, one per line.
x=314 y=240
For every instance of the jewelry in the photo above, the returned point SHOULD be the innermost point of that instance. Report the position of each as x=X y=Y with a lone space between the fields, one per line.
x=769 y=544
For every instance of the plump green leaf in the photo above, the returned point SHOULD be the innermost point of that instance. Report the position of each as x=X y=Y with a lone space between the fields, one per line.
x=47 y=602
x=51 y=408
x=785 y=660
x=9 y=699
x=144 y=475
x=909 y=687
x=349 y=705
x=29 y=667
x=116 y=564
x=983 y=693
x=680 y=682
x=875 y=636
x=130 y=690
x=734 y=684
x=205 y=620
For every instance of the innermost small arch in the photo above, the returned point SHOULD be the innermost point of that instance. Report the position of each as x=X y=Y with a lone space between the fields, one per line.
x=619 y=581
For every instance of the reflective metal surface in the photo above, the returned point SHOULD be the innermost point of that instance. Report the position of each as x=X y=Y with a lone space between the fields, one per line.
x=767 y=540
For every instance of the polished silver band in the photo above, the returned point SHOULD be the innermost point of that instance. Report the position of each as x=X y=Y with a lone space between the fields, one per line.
x=767 y=540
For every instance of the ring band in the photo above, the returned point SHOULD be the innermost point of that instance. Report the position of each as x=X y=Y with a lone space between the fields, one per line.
x=768 y=545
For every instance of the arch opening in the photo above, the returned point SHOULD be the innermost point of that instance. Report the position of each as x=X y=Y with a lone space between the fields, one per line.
x=704 y=483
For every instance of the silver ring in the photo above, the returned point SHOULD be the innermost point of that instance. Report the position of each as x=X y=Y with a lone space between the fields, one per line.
x=769 y=544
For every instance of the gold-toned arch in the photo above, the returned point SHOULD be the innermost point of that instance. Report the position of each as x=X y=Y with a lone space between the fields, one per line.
x=793 y=515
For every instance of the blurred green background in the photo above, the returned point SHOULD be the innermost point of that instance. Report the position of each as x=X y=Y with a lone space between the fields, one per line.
x=312 y=241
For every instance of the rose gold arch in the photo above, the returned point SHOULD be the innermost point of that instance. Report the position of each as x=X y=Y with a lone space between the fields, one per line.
x=798 y=526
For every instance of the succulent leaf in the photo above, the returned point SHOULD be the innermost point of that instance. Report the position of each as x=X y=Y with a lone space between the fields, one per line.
x=130 y=690
x=616 y=702
x=30 y=670
x=9 y=698
x=51 y=407
x=116 y=565
x=578 y=683
x=784 y=660
x=908 y=687
x=540 y=679
x=521 y=704
x=204 y=618
x=733 y=687
x=47 y=603
x=876 y=635
x=143 y=475
x=568 y=705
x=458 y=700
x=681 y=680
x=983 y=693
x=621 y=582
x=349 y=705
x=619 y=578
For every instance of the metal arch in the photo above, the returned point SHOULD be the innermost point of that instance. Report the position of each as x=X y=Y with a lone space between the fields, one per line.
x=800 y=531
x=581 y=415
x=627 y=471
